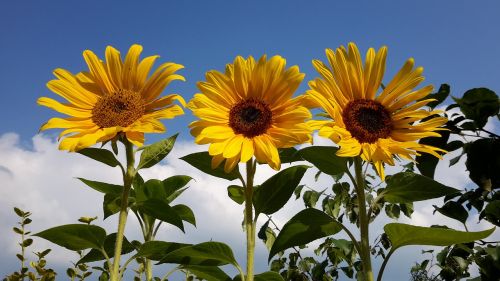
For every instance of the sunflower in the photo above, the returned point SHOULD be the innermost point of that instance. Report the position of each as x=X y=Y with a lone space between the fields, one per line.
x=378 y=127
x=113 y=97
x=249 y=111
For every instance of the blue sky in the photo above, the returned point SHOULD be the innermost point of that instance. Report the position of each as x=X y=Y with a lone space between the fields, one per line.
x=457 y=42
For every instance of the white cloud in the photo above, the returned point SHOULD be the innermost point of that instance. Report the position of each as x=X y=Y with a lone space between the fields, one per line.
x=39 y=178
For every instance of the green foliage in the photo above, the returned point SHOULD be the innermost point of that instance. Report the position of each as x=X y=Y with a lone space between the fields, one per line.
x=204 y=254
x=108 y=247
x=406 y=187
x=404 y=234
x=273 y=194
x=75 y=236
x=154 y=153
x=209 y=273
x=202 y=161
x=478 y=105
x=236 y=193
x=101 y=155
x=155 y=250
x=325 y=159
x=306 y=226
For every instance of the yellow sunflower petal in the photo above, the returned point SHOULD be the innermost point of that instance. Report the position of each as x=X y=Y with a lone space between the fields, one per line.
x=98 y=72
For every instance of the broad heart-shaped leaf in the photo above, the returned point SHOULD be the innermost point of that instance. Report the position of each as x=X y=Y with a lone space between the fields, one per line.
x=75 y=236
x=102 y=155
x=173 y=186
x=111 y=204
x=203 y=162
x=479 y=104
x=160 y=210
x=289 y=155
x=206 y=254
x=155 y=152
x=155 y=250
x=404 y=234
x=306 y=226
x=109 y=247
x=166 y=190
x=406 y=187
x=208 y=273
x=325 y=159
x=103 y=187
x=277 y=190
x=266 y=276
x=185 y=213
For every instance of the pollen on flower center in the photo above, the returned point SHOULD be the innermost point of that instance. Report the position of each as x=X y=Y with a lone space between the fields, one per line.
x=250 y=117
x=118 y=109
x=367 y=120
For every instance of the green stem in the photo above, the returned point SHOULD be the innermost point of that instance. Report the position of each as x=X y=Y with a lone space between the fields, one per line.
x=363 y=221
x=249 y=220
x=127 y=184
x=22 y=249
x=384 y=263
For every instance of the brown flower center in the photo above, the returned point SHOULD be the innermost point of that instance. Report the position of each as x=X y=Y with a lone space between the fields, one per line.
x=118 y=109
x=367 y=120
x=250 y=117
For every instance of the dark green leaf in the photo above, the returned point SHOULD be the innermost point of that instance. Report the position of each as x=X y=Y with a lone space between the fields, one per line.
x=103 y=187
x=27 y=242
x=208 y=273
x=409 y=187
x=99 y=154
x=111 y=204
x=154 y=153
x=155 y=250
x=289 y=155
x=185 y=213
x=202 y=161
x=306 y=226
x=109 y=247
x=483 y=163
x=392 y=211
x=325 y=159
x=440 y=96
x=454 y=145
x=426 y=163
x=478 y=104
x=236 y=193
x=18 y=230
x=266 y=276
x=75 y=236
x=297 y=191
x=310 y=198
x=453 y=210
x=19 y=212
x=173 y=186
x=405 y=234
x=160 y=210
x=206 y=254
x=492 y=212
x=277 y=190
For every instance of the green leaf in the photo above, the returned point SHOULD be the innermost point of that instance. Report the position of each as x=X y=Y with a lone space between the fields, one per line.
x=310 y=198
x=109 y=248
x=103 y=187
x=426 y=163
x=289 y=155
x=206 y=254
x=440 y=96
x=266 y=276
x=111 y=204
x=202 y=161
x=277 y=190
x=478 y=104
x=208 y=273
x=102 y=155
x=155 y=250
x=483 y=162
x=173 y=186
x=154 y=153
x=453 y=210
x=492 y=212
x=160 y=210
x=19 y=212
x=75 y=236
x=406 y=187
x=404 y=234
x=236 y=193
x=325 y=159
x=185 y=213
x=306 y=226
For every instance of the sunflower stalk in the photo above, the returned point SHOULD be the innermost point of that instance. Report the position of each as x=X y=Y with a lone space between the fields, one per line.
x=363 y=220
x=128 y=178
x=249 y=219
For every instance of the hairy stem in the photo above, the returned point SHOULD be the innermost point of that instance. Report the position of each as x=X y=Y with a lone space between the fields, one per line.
x=363 y=221
x=127 y=184
x=249 y=219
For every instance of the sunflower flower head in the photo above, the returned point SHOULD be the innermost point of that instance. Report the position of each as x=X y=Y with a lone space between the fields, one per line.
x=114 y=97
x=379 y=126
x=249 y=111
